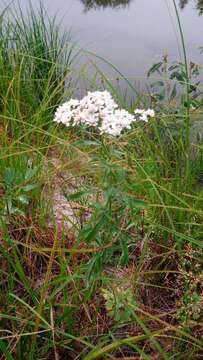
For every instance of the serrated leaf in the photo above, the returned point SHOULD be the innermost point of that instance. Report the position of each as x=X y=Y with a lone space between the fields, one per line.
x=31 y=172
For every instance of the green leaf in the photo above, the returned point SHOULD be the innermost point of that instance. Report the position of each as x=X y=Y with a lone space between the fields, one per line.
x=178 y=76
x=135 y=202
x=154 y=68
x=31 y=172
x=76 y=196
x=157 y=84
x=5 y=351
x=125 y=252
x=173 y=67
x=9 y=203
x=29 y=187
x=23 y=199
x=9 y=176
x=90 y=233
x=173 y=93
x=86 y=143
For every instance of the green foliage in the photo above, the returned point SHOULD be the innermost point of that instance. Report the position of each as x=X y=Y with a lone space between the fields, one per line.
x=35 y=60
x=17 y=187
x=123 y=282
x=113 y=213
x=173 y=77
x=117 y=304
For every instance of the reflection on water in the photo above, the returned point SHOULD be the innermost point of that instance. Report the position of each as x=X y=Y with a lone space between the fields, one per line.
x=93 y=4
x=130 y=34
x=89 y=4
x=199 y=5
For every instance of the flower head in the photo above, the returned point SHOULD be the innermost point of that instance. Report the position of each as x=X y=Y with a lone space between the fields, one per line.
x=98 y=109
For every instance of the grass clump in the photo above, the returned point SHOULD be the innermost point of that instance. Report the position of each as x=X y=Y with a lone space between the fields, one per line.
x=101 y=236
x=35 y=63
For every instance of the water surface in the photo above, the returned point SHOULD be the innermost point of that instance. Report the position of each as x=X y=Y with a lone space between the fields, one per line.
x=131 y=34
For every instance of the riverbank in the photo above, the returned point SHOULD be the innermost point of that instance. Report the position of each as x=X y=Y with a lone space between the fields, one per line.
x=101 y=235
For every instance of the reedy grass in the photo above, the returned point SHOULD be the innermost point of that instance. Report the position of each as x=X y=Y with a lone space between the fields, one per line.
x=187 y=85
x=35 y=63
x=145 y=219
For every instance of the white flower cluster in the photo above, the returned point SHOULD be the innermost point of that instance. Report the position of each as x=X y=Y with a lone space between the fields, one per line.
x=144 y=114
x=98 y=109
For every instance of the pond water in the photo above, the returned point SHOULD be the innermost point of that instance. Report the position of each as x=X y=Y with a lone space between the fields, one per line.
x=131 y=34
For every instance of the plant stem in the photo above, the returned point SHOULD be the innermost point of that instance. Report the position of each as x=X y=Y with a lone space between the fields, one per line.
x=187 y=118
